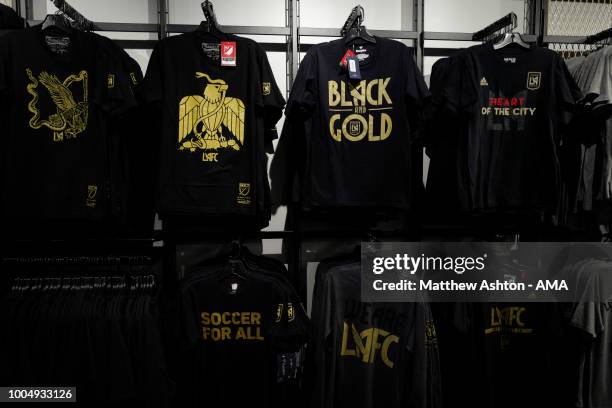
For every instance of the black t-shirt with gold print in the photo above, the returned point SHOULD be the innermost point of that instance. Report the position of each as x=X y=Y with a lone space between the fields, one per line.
x=357 y=137
x=216 y=122
x=516 y=103
x=59 y=91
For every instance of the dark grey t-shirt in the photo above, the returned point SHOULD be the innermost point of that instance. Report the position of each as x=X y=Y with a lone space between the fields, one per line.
x=595 y=319
x=376 y=354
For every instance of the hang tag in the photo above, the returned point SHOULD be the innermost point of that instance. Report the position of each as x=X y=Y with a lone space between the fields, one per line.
x=349 y=53
x=286 y=367
x=228 y=53
x=212 y=51
x=353 y=67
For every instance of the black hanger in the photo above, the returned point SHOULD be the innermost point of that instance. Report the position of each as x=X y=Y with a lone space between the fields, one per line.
x=353 y=29
x=210 y=24
x=58 y=22
x=235 y=264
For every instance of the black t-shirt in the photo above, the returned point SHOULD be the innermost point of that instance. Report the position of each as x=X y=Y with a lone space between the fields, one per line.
x=352 y=141
x=215 y=125
x=59 y=92
x=517 y=102
x=9 y=18
x=514 y=354
x=373 y=354
x=232 y=332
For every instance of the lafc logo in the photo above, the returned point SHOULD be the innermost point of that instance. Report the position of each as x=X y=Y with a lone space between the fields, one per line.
x=279 y=312
x=534 y=80
x=111 y=81
x=368 y=344
x=70 y=116
x=266 y=88
x=212 y=121
x=366 y=104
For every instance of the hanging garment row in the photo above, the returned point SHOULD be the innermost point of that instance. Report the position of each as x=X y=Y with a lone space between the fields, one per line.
x=503 y=138
x=94 y=327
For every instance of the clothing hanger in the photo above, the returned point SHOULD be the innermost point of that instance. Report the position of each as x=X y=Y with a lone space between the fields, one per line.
x=57 y=21
x=511 y=38
x=353 y=30
x=236 y=266
x=210 y=25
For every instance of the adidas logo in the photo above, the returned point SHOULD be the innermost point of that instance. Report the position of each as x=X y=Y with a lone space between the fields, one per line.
x=483 y=82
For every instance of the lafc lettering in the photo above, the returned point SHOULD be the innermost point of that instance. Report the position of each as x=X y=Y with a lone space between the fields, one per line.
x=367 y=343
x=508 y=316
x=372 y=93
x=210 y=157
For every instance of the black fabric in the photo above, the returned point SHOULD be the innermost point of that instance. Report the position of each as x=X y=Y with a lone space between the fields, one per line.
x=56 y=162
x=104 y=342
x=9 y=18
x=398 y=367
x=205 y=173
x=371 y=163
x=263 y=319
x=510 y=347
x=516 y=104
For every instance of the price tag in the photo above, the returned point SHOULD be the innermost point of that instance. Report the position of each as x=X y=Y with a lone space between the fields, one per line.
x=353 y=67
x=228 y=53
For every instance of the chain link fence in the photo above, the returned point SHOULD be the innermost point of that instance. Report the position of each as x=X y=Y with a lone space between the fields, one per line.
x=574 y=18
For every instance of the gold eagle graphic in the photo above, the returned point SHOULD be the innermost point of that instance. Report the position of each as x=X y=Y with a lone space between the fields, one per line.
x=71 y=116
x=201 y=117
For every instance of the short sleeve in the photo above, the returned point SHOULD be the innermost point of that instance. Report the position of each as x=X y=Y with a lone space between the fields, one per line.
x=151 y=88
x=460 y=92
x=589 y=317
x=567 y=91
x=416 y=89
x=303 y=98
x=272 y=99
x=112 y=87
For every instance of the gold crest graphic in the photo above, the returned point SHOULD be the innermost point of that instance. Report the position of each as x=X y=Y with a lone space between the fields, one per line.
x=279 y=313
x=71 y=117
x=244 y=189
x=534 y=80
x=267 y=88
x=201 y=119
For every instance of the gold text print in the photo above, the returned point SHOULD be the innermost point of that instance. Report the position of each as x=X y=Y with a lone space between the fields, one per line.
x=70 y=117
x=212 y=121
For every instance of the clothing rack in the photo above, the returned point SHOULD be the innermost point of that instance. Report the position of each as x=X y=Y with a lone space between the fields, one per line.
x=413 y=30
x=508 y=22
x=604 y=35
